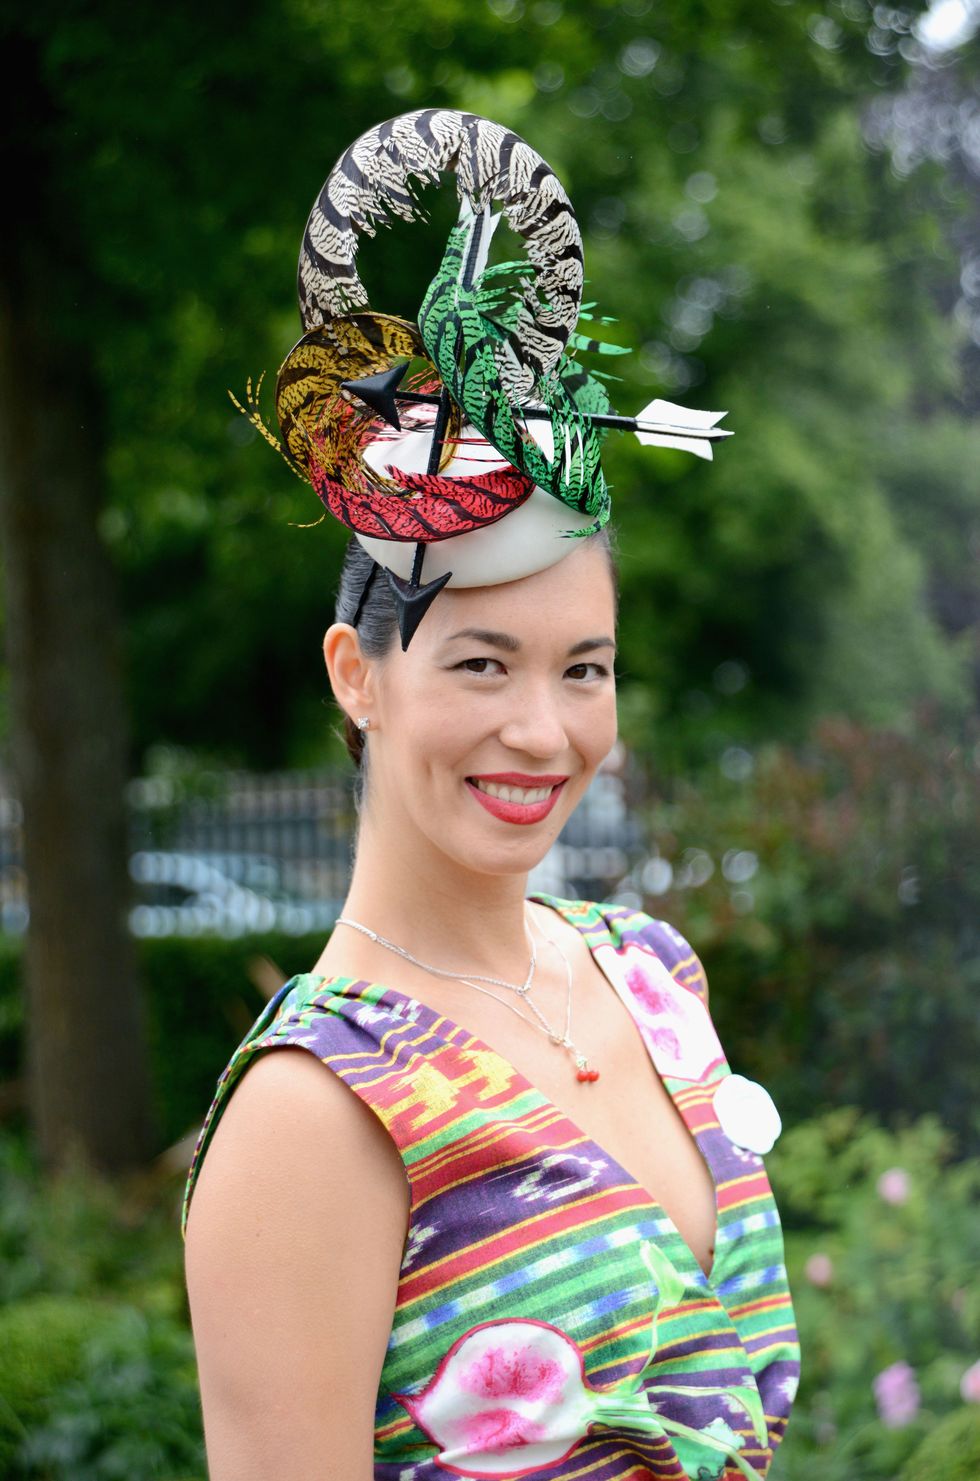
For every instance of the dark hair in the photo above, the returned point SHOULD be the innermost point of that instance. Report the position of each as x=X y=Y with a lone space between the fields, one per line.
x=377 y=622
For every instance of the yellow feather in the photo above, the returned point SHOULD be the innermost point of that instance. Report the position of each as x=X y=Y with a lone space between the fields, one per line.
x=253 y=415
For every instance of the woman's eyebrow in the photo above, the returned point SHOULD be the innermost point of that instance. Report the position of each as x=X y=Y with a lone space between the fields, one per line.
x=588 y=644
x=483 y=635
x=510 y=644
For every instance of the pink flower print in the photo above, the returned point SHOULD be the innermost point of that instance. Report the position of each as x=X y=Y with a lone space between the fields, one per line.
x=511 y=1397
x=674 y=1022
x=521 y=1372
x=508 y=1398
x=897 y=1395
x=500 y=1429
x=893 y=1185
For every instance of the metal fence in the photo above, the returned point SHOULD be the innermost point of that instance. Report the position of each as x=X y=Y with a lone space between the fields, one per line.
x=228 y=852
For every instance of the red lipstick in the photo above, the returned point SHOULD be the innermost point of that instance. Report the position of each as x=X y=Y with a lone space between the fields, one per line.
x=518 y=812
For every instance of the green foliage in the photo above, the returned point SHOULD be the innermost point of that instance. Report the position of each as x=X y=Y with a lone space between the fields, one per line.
x=94 y=1386
x=132 y=1409
x=11 y=1006
x=80 y=1233
x=882 y=1265
x=95 y=1391
x=41 y=1342
x=200 y=1000
x=834 y=892
x=950 y=1453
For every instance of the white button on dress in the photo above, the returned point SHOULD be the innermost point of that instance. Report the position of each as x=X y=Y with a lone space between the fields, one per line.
x=747 y=1114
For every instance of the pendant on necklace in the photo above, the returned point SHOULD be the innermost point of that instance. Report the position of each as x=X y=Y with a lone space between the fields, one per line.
x=582 y=1071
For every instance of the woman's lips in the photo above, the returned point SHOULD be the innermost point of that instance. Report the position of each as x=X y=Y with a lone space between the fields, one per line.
x=518 y=812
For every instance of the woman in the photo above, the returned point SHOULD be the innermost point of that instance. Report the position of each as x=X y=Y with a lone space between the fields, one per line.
x=522 y=1226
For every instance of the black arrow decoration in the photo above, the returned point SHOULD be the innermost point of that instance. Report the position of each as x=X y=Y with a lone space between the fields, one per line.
x=378 y=392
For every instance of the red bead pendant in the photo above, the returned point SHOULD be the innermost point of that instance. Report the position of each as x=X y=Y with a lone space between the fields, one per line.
x=584 y=1075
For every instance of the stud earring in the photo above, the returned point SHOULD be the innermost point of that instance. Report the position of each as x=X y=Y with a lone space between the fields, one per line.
x=363 y=722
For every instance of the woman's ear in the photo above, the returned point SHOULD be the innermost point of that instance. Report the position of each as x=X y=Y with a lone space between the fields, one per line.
x=351 y=673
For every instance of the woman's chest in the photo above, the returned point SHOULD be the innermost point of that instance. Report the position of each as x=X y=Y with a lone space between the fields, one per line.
x=628 y=1112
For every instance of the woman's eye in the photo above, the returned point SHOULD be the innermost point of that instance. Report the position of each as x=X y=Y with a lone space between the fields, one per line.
x=581 y=672
x=478 y=665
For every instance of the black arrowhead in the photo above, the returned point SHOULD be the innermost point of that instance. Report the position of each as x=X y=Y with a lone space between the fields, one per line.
x=378 y=392
x=412 y=601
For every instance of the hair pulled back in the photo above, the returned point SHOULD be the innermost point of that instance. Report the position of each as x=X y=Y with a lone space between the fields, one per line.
x=377 y=625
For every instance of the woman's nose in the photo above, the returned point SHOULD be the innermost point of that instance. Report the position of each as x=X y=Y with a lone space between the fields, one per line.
x=536 y=724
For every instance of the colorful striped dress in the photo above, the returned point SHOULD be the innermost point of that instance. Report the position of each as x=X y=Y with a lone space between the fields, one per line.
x=550 y=1320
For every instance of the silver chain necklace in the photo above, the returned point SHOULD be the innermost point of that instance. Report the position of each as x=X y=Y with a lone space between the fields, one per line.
x=582 y=1069
x=524 y=989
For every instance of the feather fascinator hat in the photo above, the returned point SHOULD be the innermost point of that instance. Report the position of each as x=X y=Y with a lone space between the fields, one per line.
x=462 y=449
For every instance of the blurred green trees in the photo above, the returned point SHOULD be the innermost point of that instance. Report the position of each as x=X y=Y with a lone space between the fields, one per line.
x=833 y=890
x=757 y=254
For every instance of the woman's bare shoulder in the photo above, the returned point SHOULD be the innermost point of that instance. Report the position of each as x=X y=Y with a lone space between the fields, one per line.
x=293 y=1249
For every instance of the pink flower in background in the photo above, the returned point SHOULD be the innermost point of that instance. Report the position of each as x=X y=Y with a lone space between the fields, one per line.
x=897 y=1395
x=893 y=1185
x=970 y=1384
x=825 y=1430
x=819 y=1269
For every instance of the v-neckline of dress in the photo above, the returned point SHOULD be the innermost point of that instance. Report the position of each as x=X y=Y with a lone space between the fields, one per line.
x=702 y=1278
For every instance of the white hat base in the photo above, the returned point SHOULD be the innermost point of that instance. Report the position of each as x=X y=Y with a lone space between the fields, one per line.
x=532 y=537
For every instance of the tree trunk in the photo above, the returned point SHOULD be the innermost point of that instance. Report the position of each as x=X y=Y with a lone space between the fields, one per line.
x=87 y=1069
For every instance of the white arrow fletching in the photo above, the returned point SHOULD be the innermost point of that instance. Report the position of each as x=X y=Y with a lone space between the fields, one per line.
x=678 y=419
x=694 y=445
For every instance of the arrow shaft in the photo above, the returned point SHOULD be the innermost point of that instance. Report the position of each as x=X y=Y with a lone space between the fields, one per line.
x=541 y=414
x=445 y=404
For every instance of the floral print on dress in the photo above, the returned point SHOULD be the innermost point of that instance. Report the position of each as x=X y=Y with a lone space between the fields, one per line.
x=674 y=1022
x=511 y=1397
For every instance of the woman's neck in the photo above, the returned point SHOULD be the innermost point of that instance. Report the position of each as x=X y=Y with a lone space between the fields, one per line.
x=444 y=914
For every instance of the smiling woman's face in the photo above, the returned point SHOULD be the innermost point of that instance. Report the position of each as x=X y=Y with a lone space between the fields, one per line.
x=488 y=730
